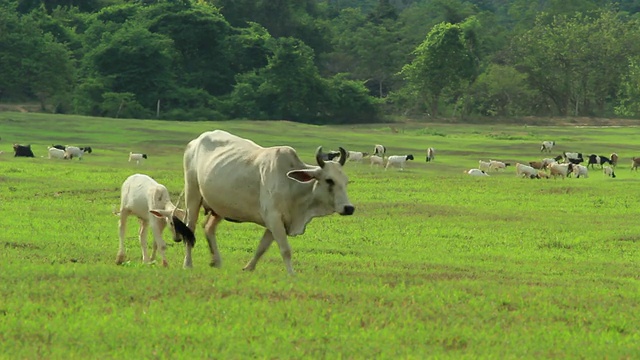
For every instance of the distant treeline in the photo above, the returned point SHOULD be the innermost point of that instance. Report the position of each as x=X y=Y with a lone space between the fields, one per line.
x=331 y=61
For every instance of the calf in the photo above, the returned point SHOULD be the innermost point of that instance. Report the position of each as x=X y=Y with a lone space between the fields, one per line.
x=137 y=157
x=72 y=151
x=22 y=150
x=526 y=171
x=376 y=160
x=150 y=202
x=55 y=153
x=563 y=170
x=476 y=172
x=607 y=170
x=580 y=170
x=431 y=154
x=398 y=160
x=547 y=146
x=598 y=159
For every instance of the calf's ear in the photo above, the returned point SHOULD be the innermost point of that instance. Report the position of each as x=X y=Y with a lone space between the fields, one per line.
x=302 y=176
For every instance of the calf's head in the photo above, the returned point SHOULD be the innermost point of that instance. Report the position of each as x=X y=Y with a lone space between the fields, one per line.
x=174 y=218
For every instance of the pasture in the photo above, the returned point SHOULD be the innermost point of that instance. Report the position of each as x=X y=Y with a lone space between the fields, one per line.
x=433 y=264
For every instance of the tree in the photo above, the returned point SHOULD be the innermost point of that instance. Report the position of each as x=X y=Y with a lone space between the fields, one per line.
x=443 y=62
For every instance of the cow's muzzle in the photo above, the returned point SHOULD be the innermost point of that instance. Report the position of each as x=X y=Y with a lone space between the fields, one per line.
x=348 y=210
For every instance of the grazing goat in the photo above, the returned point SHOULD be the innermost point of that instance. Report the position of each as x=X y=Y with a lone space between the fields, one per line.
x=547 y=146
x=356 y=155
x=614 y=159
x=476 y=172
x=431 y=154
x=379 y=150
x=563 y=170
x=574 y=158
x=399 y=160
x=598 y=159
x=497 y=165
x=635 y=162
x=376 y=160
x=538 y=165
x=149 y=201
x=137 y=157
x=72 y=151
x=22 y=150
x=55 y=153
x=580 y=170
x=526 y=171
x=483 y=165
x=331 y=155
x=607 y=170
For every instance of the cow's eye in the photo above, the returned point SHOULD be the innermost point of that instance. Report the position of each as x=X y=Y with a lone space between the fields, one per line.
x=330 y=182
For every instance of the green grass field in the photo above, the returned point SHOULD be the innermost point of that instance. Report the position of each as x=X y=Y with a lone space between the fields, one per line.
x=433 y=264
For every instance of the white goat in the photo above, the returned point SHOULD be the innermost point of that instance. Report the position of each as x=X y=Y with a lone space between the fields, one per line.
x=356 y=156
x=150 y=201
x=73 y=151
x=497 y=165
x=398 y=160
x=483 y=165
x=526 y=171
x=608 y=170
x=137 y=157
x=376 y=160
x=476 y=172
x=580 y=170
x=56 y=153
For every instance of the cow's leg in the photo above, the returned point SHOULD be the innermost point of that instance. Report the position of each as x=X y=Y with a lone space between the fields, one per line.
x=144 y=231
x=157 y=226
x=265 y=242
x=193 y=199
x=210 y=232
x=122 y=230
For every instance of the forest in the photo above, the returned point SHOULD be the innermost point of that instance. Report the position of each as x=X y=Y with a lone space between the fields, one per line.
x=322 y=61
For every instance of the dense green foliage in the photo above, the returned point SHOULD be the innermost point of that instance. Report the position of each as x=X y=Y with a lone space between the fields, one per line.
x=433 y=263
x=322 y=61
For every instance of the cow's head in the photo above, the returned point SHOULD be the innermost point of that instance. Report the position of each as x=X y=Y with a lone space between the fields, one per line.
x=329 y=184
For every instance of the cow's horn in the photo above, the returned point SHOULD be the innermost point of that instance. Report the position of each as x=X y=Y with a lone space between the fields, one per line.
x=343 y=156
x=319 y=157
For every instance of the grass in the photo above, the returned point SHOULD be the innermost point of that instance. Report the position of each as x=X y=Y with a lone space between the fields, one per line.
x=433 y=264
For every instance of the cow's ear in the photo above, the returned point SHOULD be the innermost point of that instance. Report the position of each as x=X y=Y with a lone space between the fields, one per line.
x=303 y=176
x=161 y=213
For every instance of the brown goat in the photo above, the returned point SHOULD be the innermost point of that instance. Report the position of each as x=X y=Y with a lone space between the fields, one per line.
x=635 y=162
x=538 y=165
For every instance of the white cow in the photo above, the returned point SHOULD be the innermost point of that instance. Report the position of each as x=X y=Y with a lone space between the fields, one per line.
x=580 y=170
x=523 y=170
x=73 y=151
x=379 y=150
x=137 y=157
x=148 y=200
x=431 y=154
x=398 y=160
x=476 y=172
x=356 y=156
x=235 y=179
x=376 y=160
x=56 y=153
x=547 y=146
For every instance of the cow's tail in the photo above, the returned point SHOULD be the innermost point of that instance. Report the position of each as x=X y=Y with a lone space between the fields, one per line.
x=185 y=233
